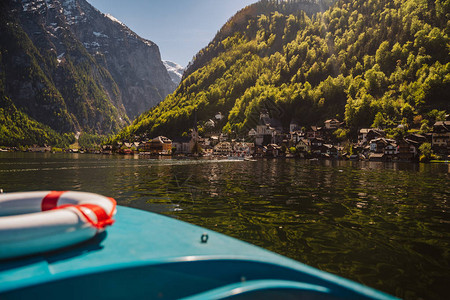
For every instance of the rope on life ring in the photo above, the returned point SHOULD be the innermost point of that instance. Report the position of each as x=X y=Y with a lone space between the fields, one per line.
x=102 y=219
x=35 y=222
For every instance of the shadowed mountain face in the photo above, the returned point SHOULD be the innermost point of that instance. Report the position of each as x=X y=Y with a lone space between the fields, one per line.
x=68 y=66
x=133 y=62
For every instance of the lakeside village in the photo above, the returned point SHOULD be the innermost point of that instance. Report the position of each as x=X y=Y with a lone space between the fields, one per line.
x=268 y=140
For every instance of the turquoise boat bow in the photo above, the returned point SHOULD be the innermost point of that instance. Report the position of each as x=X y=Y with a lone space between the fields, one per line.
x=150 y=256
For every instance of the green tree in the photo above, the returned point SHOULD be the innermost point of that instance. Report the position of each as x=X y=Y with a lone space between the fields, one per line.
x=426 y=152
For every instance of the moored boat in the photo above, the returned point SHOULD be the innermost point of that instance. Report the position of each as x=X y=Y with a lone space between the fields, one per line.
x=150 y=256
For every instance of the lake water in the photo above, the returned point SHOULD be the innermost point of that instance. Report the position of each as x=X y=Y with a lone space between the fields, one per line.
x=386 y=225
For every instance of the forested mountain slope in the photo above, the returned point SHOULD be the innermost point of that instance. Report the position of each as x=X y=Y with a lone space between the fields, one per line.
x=64 y=65
x=380 y=63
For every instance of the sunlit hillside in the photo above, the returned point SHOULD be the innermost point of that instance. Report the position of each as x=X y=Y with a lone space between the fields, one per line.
x=380 y=63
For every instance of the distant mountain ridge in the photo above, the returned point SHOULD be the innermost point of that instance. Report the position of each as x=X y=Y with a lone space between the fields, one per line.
x=70 y=67
x=175 y=71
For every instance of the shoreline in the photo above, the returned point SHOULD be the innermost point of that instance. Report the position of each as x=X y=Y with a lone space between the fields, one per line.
x=230 y=158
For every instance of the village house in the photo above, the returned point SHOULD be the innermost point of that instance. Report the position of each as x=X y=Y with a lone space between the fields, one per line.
x=273 y=150
x=264 y=134
x=182 y=145
x=208 y=150
x=37 y=148
x=314 y=132
x=159 y=146
x=420 y=139
x=365 y=152
x=206 y=142
x=320 y=151
x=243 y=149
x=367 y=134
x=330 y=150
x=317 y=147
x=268 y=131
x=441 y=137
x=378 y=145
x=303 y=147
x=295 y=137
x=362 y=135
x=223 y=149
x=332 y=124
x=382 y=149
x=407 y=149
x=130 y=147
x=316 y=142
x=390 y=150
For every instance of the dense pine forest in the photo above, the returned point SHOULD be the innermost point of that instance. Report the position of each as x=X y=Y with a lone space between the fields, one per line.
x=368 y=63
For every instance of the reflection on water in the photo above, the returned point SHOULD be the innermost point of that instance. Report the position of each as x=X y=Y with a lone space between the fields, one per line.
x=386 y=225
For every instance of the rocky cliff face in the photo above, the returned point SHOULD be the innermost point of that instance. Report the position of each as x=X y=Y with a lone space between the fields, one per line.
x=69 y=66
x=133 y=62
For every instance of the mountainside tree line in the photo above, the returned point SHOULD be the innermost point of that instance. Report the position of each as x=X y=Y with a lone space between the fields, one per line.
x=369 y=63
x=17 y=129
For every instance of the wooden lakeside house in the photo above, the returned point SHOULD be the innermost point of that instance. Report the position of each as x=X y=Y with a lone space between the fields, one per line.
x=377 y=157
x=441 y=137
x=407 y=149
x=377 y=145
x=160 y=145
x=303 y=147
x=365 y=135
x=273 y=150
x=390 y=150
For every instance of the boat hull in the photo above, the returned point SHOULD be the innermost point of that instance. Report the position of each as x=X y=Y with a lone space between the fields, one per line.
x=150 y=256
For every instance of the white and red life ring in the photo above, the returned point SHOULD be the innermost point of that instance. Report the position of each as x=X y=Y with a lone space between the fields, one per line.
x=36 y=222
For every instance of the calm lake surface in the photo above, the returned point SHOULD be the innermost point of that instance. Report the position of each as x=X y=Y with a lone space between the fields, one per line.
x=386 y=225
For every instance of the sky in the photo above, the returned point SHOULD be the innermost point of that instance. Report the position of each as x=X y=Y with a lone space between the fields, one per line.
x=180 y=28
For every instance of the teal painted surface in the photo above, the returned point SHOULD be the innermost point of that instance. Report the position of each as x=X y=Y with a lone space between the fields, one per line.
x=248 y=290
x=153 y=256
